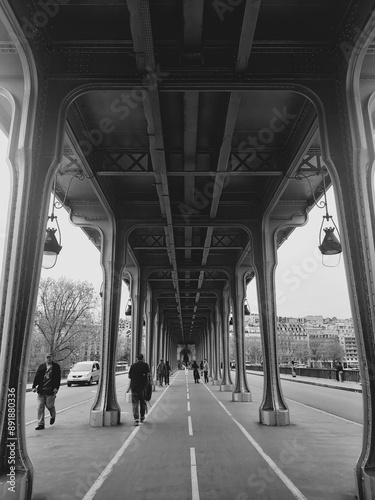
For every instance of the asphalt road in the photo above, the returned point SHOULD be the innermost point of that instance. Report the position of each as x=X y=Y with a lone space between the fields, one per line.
x=344 y=404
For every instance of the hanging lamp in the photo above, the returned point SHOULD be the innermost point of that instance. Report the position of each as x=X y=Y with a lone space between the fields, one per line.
x=330 y=244
x=52 y=246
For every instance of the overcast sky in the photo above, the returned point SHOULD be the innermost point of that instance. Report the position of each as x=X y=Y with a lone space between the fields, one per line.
x=304 y=285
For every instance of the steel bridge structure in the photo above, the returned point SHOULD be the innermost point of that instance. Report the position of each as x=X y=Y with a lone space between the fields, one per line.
x=187 y=139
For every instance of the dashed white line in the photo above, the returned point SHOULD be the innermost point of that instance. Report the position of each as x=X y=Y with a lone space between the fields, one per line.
x=190 y=425
x=193 y=462
x=194 y=475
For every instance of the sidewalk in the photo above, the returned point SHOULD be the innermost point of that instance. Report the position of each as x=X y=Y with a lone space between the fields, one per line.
x=323 y=382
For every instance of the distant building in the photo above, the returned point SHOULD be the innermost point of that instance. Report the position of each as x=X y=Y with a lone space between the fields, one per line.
x=345 y=331
x=314 y=319
x=293 y=328
x=296 y=335
x=252 y=326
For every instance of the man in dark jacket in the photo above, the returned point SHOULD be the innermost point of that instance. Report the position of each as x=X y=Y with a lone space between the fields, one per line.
x=339 y=371
x=161 y=371
x=46 y=384
x=139 y=376
x=167 y=372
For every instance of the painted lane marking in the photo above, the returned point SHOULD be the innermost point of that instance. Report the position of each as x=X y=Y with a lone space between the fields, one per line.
x=284 y=478
x=325 y=412
x=193 y=461
x=194 y=475
x=106 y=472
x=190 y=425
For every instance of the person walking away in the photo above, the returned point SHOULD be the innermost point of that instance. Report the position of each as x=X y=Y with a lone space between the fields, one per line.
x=139 y=376
x=47 y=383
x=339 y=372
x=294 y=373
x=161 y=372
x=167 y=372
x=201 y=368
x=195 y=372
x=206 y=368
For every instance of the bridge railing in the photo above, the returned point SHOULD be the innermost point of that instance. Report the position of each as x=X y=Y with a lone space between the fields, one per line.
x=327 y=373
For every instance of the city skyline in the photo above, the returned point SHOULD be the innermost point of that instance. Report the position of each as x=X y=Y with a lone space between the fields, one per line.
x=304 y=286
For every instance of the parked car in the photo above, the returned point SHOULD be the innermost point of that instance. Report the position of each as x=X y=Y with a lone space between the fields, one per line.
x=84 y=372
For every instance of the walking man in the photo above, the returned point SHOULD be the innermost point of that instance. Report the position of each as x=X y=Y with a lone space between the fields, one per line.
x=139 y=374
x=161 y=371
x=206 y=368
x=46 y=383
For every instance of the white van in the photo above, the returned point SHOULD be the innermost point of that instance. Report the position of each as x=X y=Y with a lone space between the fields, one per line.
x=84 y=372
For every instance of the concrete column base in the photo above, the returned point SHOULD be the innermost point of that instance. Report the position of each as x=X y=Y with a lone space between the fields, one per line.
x=15 y=487
x=241 y=397
x=226 y=387
x=215 y=382
x=274 y=417
x=368 y=485
x=100 y=418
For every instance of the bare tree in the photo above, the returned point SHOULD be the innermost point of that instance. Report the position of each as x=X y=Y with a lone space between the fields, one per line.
x=65 y=315
x=253 y=350
x=123 y=351
x=301 y=351
x=331 y=350
x=314 y=347
x=37 y=349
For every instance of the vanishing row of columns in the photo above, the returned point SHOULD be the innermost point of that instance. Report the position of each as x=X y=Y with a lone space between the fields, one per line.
x=159 y=341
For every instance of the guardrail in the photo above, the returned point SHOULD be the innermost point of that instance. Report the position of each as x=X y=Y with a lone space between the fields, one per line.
x=325 y=373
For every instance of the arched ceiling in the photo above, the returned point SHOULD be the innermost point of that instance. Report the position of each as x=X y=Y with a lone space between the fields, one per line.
x=192 y=123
